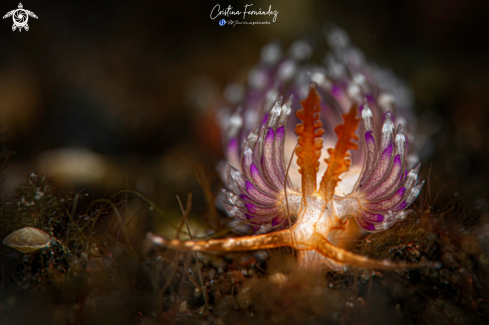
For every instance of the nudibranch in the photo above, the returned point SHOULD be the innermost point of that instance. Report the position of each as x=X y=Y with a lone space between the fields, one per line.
x=261 y=189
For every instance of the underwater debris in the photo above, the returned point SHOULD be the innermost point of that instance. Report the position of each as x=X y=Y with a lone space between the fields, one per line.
x=28 y=240
x=54 y=229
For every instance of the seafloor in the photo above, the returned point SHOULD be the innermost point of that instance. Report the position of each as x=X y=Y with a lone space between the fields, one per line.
x=99 y=269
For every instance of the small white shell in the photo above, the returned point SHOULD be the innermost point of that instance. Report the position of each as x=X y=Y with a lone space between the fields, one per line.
x=28 y=239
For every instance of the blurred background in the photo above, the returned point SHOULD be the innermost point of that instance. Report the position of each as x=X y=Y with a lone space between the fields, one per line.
x=111 y=94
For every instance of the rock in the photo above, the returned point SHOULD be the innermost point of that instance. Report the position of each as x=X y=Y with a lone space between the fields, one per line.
x=225 y=305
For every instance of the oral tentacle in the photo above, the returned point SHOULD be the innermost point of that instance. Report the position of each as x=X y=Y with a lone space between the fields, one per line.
x=265 y=241
x=324 y=247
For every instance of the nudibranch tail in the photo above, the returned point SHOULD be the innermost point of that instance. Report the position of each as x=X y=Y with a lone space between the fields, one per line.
x=338 y=160
x=309 y=142
x=326 y=248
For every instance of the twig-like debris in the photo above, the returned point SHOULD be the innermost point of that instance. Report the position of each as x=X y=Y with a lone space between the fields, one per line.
x=209 y=197
x=184 y=215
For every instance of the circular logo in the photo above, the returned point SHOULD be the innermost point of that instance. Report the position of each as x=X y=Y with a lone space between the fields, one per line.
x=222 y=22
x=20 y=17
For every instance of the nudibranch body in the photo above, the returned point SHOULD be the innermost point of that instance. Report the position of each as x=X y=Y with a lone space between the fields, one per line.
x=261 y=183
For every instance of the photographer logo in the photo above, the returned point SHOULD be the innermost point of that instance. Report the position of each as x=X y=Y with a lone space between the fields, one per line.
x=20 y=17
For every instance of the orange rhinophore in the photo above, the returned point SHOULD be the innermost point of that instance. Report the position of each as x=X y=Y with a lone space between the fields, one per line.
x=338 y=160
x=310 y=141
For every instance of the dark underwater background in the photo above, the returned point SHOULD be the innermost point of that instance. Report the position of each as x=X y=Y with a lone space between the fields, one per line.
x=105 y=95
